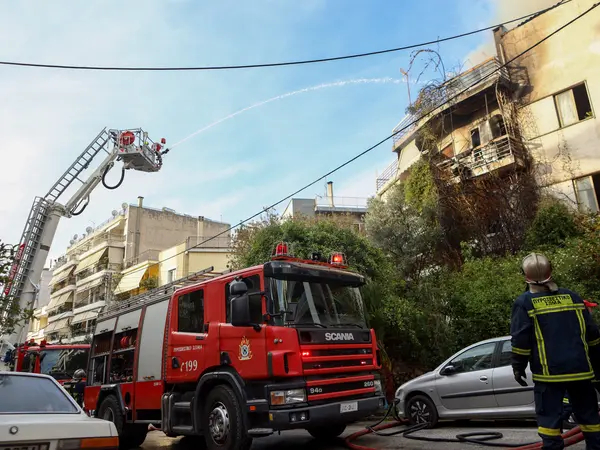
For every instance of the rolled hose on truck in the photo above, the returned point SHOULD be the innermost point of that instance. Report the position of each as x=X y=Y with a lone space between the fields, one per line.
x=570 y=437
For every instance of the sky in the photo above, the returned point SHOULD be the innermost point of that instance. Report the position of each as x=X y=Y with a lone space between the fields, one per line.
x=238 y=166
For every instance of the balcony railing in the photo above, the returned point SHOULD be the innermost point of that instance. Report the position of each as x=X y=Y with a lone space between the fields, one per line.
x=340 y=202
x=148 y=255
x=487 y=157
x=451 y=92
x=63 y=284
x=99 y=227
x=88 y=300
x=390 y=173
x=216 y=242
x=99 y=268
x=95 y=241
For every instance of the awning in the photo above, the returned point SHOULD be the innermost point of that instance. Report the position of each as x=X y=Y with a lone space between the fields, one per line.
x=59 y=300
x=85 y=316
x=90 y=285
x=55 y=326
x=57 y=317
x=130 y=281
x=61 y=276
x=90 y=261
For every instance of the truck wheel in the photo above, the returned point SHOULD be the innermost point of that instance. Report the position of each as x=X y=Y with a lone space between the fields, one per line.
x=223 y=422
x=327 y=433
x=130 y=435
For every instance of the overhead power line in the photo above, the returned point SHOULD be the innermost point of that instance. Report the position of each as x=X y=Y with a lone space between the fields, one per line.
x=364 y=152
x=275 y=64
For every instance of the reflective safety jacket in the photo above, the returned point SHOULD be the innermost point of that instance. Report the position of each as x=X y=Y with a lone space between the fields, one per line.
x=555 y=333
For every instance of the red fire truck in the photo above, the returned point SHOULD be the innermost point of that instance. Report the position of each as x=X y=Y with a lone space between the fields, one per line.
x=60 y=361
x=238 y=355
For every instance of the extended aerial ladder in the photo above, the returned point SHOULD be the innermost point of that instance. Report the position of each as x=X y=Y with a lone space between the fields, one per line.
x=132 y=147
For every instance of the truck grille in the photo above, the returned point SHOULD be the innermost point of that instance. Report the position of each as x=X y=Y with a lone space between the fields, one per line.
x=320 y=390
x=337 y=358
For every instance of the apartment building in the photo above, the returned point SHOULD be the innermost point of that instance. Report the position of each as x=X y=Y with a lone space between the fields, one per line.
x=102 y=265
x=352 y=208
x=40 y=311
x=535 y=114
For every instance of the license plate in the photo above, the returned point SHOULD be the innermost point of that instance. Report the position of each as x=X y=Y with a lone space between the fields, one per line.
x=348 y=407
x=20 y=447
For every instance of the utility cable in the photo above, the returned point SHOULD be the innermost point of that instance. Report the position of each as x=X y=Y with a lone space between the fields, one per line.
x=276 y=64
x=371 y=148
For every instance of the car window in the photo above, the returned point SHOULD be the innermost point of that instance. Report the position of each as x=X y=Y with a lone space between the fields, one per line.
x=506 y=354
x=26 y=394
x=476 y=358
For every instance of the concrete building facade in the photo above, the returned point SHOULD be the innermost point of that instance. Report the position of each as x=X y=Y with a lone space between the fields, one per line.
x=40 y=312
x=538 y=110
x=114 y=261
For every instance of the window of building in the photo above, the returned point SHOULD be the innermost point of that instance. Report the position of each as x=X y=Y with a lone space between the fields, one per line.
x=573 y=105
x=586 y=189
x=253 y=283
x=171 y=275
x=497 y=126
x=190 y=314
x=475 y=138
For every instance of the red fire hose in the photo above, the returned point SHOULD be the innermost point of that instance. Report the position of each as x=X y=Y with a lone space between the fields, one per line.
x=570 y=437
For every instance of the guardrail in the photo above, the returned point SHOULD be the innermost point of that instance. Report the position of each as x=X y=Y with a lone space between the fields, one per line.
x=341 y=202
x=388 y=174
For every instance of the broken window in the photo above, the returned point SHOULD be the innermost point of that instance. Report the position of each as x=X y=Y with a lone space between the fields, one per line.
x=587 y=196
x=497 y=126
x=475 y=139
x=573 y=105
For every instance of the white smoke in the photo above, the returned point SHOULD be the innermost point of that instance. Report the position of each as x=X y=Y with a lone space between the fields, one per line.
x=504 y=10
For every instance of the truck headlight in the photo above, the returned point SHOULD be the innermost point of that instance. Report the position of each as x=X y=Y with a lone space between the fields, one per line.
x=378 y=387
x=288 y=397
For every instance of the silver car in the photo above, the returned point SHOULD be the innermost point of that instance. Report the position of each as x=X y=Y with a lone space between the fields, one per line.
x=476 y=382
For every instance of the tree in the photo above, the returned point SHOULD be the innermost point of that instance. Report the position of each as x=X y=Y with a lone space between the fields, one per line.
x=11 y=314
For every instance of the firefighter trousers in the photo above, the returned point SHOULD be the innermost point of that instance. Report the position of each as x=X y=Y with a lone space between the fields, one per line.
x=549 y=411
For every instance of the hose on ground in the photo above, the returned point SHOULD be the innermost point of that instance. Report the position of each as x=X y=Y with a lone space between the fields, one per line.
x=570 y=437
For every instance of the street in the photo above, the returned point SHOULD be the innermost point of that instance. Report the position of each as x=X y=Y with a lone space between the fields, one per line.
x=513 y=433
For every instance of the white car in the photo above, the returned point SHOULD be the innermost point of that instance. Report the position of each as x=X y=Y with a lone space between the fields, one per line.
x=36 y=413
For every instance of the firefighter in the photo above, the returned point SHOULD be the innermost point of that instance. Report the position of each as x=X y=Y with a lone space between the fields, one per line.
x=552 y=330
x=567 y=407
x=79 y=386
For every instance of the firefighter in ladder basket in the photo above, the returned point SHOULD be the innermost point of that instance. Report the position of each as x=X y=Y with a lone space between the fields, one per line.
x=553 y=331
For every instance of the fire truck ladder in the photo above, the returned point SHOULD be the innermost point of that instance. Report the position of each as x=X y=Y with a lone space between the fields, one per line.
x=80 y=164
x=29 y=243
x=160 y=292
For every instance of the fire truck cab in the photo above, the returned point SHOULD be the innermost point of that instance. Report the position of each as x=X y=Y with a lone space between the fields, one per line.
x=230 y=357
x=60 y=361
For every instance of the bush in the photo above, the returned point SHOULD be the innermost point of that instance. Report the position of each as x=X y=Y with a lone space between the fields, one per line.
x=553 y=224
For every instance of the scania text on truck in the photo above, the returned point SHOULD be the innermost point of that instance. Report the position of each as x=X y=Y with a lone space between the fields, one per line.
x=233 y=356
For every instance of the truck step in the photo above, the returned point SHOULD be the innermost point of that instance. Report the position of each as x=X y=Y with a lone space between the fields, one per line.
x=260 y=432
x=182 y=406
x=183 y=429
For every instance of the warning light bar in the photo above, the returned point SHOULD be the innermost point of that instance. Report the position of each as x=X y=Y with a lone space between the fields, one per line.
x=337 y=259
x=281 y=249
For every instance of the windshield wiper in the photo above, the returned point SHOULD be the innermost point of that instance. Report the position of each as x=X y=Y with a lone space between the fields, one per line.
x=347 y=324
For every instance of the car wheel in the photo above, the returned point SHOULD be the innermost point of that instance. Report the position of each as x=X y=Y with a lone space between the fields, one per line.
x=223 y=422
x=420 y=409
x=327 y=433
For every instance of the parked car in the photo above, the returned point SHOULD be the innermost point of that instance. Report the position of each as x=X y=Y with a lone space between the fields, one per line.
x=476 y=382
x=37 y=413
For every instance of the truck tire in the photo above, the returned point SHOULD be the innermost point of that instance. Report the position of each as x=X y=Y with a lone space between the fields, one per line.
x=222 y=421
x=327 y=433
x=130 y=435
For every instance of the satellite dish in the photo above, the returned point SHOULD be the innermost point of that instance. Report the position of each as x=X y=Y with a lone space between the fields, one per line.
x=115 y=213
x=83 y=236
x=89 y=229
x=72 y=241
x=124 y=206
x=75 y=237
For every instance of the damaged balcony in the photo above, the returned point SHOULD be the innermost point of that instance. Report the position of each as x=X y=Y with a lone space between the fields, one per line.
x=500 y=154
x=463 y=93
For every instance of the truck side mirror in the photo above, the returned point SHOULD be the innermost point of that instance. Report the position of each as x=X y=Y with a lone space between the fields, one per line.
x=240 y=311
x=237 y=288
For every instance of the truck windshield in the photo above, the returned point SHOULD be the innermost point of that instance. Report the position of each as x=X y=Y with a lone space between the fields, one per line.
x=62 y=363
x=325 y=304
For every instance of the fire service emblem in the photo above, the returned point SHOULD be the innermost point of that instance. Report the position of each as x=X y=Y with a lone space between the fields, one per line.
x=245 y=351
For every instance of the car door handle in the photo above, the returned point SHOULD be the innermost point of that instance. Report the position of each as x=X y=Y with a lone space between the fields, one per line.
x=483 y=378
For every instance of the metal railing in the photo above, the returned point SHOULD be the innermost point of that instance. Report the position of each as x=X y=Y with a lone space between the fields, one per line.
x=117 y=267
x=469 y=79
x=97 y=240
x=198 y=242
x=323 y=201
x=484 y=155
x=63 y=284
x=148 y=255
x=388 y=174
